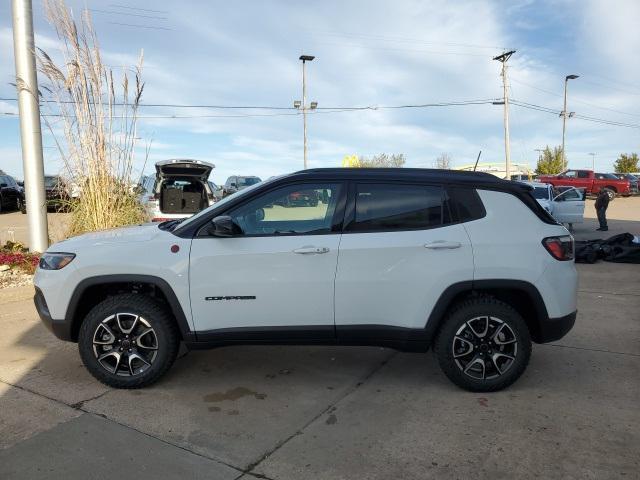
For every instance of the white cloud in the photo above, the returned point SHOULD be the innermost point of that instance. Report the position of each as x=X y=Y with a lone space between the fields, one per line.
x=375 y=53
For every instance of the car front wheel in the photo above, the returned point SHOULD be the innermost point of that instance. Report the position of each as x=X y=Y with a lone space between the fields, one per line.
x=128 y=341
x=610 y=193
x=484 y=345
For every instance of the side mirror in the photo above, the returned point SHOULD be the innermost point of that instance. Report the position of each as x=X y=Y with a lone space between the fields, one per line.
x=224 y=226
x=260 y=214
x=233 y=185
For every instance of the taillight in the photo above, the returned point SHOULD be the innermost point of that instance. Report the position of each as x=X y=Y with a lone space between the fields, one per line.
x=560 y=248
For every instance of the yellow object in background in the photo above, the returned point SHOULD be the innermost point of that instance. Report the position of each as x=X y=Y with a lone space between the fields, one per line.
x=351 y=161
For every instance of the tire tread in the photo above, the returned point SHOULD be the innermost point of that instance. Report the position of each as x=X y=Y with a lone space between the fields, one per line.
x=161 y=319
x=447 y=364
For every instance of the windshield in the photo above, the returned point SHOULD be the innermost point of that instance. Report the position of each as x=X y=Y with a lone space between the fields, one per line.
x=246 y=181
x=50 y=182
x=540 y=193
x=225 y=200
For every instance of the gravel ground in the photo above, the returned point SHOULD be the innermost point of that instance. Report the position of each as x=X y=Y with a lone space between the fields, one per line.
x=14 y=278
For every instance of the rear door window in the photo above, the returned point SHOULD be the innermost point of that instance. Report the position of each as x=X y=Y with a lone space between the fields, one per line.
x=393 y=207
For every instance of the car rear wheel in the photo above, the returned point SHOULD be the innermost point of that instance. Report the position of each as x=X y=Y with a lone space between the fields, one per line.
x=128 y=341
x=484 y=345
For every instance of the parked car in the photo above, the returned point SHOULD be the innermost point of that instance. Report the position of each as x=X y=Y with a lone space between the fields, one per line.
x=634 y=181
x=301 y=198
x=565 y=204
x=236 y=183
x=589 y=180
x=463 y=262
x=177 y=190
x=11 y=195
x=217 y=191
x=57 y=193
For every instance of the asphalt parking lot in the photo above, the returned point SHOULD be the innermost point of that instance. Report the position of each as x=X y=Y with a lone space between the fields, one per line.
x=332 y=412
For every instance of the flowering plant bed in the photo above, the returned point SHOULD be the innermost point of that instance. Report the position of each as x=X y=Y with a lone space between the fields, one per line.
x=17 y=264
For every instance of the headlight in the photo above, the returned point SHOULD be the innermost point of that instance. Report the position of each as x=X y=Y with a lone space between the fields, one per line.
x=55 y=261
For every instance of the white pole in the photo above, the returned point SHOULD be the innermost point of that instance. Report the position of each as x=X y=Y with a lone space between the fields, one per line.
x=30 y=129
x=564 y=124
x=304 y=111
x=507 y=144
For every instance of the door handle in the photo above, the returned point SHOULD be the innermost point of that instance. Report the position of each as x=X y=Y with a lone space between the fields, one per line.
x=311 y=250
x=442 y=245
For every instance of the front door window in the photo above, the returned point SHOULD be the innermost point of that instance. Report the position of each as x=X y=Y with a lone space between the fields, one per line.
x=300 y=209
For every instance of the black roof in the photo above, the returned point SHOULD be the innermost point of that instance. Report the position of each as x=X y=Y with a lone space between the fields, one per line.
x=424 y=174
x=448 y=177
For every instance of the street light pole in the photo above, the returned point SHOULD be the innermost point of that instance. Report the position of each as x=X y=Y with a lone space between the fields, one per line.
x=305 y=59
x=505 y=97
x=30 y=128
x=564 y=118
x=593 y=161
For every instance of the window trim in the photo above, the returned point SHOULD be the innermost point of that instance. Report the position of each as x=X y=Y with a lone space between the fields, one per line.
x=336 y=221
x=350 y=212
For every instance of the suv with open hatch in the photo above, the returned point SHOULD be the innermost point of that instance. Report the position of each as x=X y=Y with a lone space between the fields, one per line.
x=463 y=262
x=179 y=189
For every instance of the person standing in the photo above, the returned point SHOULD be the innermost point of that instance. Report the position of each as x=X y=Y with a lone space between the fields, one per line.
x=602 y=202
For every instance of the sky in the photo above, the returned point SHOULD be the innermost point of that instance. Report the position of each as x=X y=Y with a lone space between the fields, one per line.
x=370 y=53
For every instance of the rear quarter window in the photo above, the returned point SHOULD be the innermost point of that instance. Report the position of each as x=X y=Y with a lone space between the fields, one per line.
x=465 y=204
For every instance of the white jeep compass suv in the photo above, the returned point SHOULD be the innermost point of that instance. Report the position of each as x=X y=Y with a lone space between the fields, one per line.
x=403 y=258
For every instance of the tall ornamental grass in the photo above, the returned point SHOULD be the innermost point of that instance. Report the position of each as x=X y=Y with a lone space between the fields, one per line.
x=93 y=123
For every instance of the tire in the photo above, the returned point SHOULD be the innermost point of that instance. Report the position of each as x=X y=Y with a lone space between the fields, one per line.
x=472 y=371
x=117 y=369
x=611 y=193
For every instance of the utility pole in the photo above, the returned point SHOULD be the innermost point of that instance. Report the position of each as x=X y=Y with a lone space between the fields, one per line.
x=564 y=117
x=303 y=105
x=593 y=161
x=30 y=129
x=505 y=98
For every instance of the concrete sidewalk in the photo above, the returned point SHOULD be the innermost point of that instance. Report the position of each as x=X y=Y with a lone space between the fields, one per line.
x=330 y=412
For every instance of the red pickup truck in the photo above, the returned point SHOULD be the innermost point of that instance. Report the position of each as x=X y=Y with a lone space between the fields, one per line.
x=589 y=180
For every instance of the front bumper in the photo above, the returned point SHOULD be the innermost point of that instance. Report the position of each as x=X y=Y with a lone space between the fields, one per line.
x=553 y=329
x=60 y=328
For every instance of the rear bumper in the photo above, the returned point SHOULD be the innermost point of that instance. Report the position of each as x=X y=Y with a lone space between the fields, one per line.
x=60 y=328
x=553 y=329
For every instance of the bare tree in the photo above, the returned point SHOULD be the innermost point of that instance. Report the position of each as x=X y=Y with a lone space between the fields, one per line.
x=98 y=116
x=443 y=162
x=382 y=160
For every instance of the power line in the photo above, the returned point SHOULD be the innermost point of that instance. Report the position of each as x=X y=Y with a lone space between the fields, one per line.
x=128 y=14
x=556 y=94
x=117 y=5
x=602 y=121
x=397 y=49
x=329 y=110
x=139 y=26
x=256 y=107
x=387 y=38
